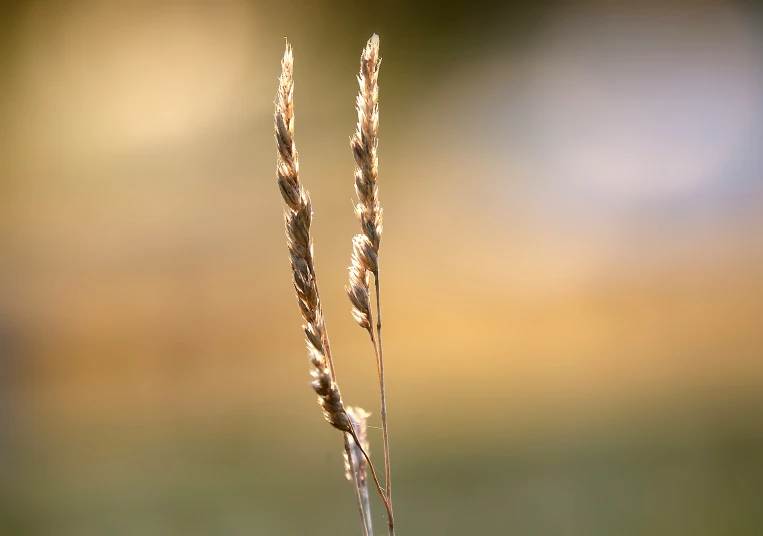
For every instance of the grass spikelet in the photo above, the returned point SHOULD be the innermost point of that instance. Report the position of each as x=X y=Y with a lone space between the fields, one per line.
x=360 y=280
x=364 y=144
x=298 y=218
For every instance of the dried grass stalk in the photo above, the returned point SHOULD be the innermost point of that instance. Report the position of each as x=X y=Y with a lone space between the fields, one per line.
x=365 y=256
x=298 y=217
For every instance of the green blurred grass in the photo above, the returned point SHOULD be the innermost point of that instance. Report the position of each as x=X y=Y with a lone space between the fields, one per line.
x=237 y=477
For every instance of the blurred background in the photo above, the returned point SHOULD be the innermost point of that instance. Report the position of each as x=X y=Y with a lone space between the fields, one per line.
x=572 y=260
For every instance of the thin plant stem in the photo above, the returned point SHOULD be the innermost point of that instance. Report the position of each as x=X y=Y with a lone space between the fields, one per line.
x=382 y=493
x=383 y=390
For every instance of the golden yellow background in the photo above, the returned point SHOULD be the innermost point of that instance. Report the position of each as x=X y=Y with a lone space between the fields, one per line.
x=571 y=267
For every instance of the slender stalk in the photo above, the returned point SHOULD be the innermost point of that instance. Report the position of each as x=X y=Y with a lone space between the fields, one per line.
x=364 y=263
x=382 y=493
x=382 y=388
x=383 y=391
x=365 y=258
x=385 y=435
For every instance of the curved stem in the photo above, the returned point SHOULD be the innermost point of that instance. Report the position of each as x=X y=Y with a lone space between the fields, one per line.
x=382 y=494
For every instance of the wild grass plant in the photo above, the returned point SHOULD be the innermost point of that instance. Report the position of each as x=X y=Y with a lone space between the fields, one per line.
x=364 y=267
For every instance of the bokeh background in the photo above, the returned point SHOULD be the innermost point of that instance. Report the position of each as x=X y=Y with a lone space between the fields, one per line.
x=571 y=262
